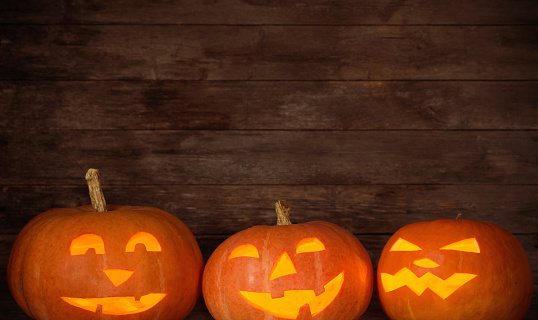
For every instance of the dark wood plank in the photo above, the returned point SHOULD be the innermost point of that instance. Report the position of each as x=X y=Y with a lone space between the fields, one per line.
x=349 y=12
x=261 y=105
x=268 y=52
x=270 y=157
x=229 y=209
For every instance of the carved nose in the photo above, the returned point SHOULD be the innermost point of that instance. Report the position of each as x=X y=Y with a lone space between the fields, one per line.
x=118 y=276
x=426 y=263
x=282 y=267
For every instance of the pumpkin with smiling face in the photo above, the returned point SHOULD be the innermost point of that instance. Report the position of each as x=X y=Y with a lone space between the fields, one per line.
x=121 y=262
x=314 y=270
x=454 y=269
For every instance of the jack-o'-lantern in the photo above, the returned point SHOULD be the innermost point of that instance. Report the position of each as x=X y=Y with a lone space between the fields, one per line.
x=455 y=269
x=313 y=270
x=105 y=262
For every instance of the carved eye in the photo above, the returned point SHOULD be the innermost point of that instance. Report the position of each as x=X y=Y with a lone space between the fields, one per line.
x=148 y=240
x=466 y=245
x=310 y=245
x=87 y=241
x=246 y=250
x=404 y=245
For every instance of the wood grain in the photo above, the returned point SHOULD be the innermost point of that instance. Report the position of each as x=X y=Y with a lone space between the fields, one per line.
x=372 y=209
x=271 y=157
x=278 y=105
x=143 y=52
x=256 y=12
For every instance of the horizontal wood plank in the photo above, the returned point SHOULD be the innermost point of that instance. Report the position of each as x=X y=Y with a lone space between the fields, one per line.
x=347 y=12
x=268 y=53
x=271 y=157
x=373 y=243
x=229 y=209
x=268 y=105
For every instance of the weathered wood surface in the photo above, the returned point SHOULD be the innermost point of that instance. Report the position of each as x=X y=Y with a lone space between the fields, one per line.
x=261 y=105
x=271 y=157
x=319 y=12
x=268 y=52
x=371 y=114
x=368 y=209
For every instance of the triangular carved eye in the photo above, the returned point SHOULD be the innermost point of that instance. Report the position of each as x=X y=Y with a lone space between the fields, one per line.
x=466 y=245
x=246 y=250
x=309 y=245
x=404 y=245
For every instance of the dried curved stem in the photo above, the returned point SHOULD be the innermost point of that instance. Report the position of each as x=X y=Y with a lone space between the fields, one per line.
x=96 y=193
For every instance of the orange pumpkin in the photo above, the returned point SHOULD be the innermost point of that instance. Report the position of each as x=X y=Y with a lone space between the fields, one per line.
x=455 y=269
x=121 y=262
x=313 y=270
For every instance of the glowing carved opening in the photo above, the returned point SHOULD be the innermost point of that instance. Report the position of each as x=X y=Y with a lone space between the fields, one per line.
x=82 y=243
x=246 y=250
x=404 y=245
x=443 y=288
x=283 y=267
x=426 y=263
x=466 y=245
x=148 y=240
x=118 y=276
x=117 y=305
x=309 y=245
x=289 y=305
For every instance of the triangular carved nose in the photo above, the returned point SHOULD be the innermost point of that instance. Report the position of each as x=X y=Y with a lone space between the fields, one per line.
x=118 y=276
x=282 y=267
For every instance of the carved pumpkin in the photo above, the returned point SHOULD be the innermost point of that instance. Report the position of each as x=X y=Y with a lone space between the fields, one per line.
x=313 y=270
x=454 y=269
x=93 y=263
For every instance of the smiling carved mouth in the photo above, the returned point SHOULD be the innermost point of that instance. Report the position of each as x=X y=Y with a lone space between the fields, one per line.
x=117 y=305
x=289 y=305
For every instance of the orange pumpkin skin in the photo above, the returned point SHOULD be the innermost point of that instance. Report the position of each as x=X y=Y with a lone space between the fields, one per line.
x=490 y=273
x=343 y=254
x=42 y=271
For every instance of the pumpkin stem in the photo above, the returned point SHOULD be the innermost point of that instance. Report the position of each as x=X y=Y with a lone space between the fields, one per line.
x=459 y=216
x=96 y=193
x=282 y=213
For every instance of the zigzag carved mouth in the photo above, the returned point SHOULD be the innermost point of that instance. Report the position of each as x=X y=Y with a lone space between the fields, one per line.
x=443 y=288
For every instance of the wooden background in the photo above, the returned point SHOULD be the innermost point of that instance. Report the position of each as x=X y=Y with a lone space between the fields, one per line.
x=371 y=114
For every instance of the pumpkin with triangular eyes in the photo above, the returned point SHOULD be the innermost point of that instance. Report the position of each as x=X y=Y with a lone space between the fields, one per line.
x=313 y=270
x=457 y=269
x=105 y=262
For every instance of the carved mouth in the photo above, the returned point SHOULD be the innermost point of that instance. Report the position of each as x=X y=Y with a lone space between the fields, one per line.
x=289 y=305
x=443 y=288
x=117 y=305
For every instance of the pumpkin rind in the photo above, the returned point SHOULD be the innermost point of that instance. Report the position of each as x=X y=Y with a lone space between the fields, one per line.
x=41 y=270
x=224 y=278
x=499 y=280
